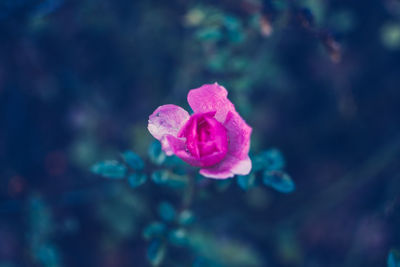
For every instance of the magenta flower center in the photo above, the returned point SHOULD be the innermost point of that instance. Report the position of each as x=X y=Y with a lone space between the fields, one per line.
x=206 y=138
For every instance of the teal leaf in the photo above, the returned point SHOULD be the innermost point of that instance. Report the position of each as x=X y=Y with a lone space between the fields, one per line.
x=178 y=237
x=177 y=165
x=278 y=180
x=166 y=211
x=246 y=181
x=232 y=23
x=154 y=229
x=186 y=217
x=271 y=159
x=133 y=160
x=156 y=252
x=210 y=34
x=156 y=154
x=137 y=179
x=160 y=176
x=109 y=169
x=393 y=258
x=235 y=29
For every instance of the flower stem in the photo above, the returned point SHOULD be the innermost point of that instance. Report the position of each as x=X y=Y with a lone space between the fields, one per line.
x=189 y=192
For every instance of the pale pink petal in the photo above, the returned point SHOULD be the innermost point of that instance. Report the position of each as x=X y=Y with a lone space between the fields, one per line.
x=243 y=167
x=229 y=167
x=210 y=97
x=167 y=120
x=165 y=146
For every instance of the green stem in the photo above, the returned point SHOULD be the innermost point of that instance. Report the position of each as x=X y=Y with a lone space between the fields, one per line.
x=189 y=192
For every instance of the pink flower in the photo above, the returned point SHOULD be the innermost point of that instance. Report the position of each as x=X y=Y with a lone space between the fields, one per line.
x=214 y=138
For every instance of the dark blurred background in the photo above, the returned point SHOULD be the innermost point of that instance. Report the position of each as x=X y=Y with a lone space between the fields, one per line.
x=318 y=80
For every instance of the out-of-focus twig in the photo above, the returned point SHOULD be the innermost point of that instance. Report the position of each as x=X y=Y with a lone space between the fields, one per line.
x=334 y=194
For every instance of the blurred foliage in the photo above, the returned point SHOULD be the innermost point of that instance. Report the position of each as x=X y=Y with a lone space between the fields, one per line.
x=391 y=35
x=41 y=231
x=110 y=169
x=173 y=230
x=279 y=181
x=33 y=7
x=393 y=258
x=156 y=252
x=220 y=252
x=317 y=79
x=129 y=208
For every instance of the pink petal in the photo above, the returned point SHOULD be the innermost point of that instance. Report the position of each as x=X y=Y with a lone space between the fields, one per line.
x=178 y=148
x=167 y=120
x=208 y=153
x=238 y=135
x=229 y=167
x=211 y=97
x=237 y=160
x=166 y=147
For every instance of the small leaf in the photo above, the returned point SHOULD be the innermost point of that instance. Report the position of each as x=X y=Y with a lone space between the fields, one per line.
x=235 y=29
x=154 y=229
x=393 y=258
x=178 y=237
x=167 y=211
x=160 y=177
x=271 y=159
x=109 y=169
x=232 y=23
x=186 y=217
x=133 y=160
x=278 y=180
x=247 y=181
x=137 y=179
x=209 y=34
x=156 y=154
x=175 y=164
x=156 y=252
